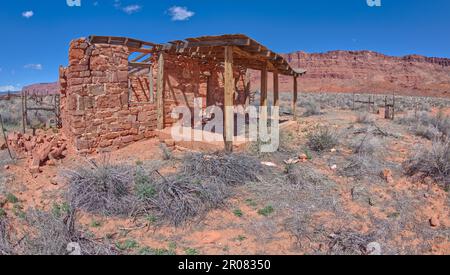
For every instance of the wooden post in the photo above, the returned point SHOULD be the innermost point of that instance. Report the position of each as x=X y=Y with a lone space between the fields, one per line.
x=228 y=103
x=294 y=101
x=160 y=92
x=4 y=136
x=23 y=111
x=393 y=105
x=276 y=95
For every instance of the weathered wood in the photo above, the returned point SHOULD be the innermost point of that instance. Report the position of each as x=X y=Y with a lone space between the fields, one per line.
x=160 y=92
x=228 y=100
x=22 y=97
x=4 y=136
x=263 y=100
x=276 y=95
x=295 y=97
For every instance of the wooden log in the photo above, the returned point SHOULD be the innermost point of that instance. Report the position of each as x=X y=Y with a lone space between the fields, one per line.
x=263 y=99
x=160 y=92
x=228 y=100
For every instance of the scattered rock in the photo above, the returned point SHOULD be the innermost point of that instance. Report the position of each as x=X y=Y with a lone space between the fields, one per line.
x=270 y=164
x=303 y=157
x=373 y=248
x=169 y=142
x=333 y=150
x=6 y=167
x=386 y=174
x=74 y=249
x=333 y=167
x=291 y=161
x=3 y=145
x=434 y=221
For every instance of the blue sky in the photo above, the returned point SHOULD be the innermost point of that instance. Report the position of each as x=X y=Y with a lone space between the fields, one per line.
x=36 y=33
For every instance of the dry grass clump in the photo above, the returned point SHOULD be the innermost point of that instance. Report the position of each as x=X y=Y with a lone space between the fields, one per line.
x=51 y=232
x=102 y=188
x=433 y=162
x=366 y=145
x=232 y=169
x=312 y=108
x=364 y=118
x=425 y=125
x=6 y=248
x=361 y=165
x=322 y=140
x=184 y=198
x=346 y=242
x=204 y=183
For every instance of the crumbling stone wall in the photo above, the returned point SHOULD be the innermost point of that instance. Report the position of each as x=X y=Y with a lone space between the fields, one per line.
x=100 y=112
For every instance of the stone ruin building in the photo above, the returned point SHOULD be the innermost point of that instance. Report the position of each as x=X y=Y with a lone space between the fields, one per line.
x=119 y=90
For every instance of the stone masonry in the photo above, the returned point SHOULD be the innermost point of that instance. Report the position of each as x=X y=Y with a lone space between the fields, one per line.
x=103 y=108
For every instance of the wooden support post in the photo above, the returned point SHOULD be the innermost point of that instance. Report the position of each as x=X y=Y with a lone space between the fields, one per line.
x=160 y=92
x=294 y=101
x=228 y=100
x=393 y=105
x=263 y=99
x=22 y=97
x=276 y=95
x=4 y=136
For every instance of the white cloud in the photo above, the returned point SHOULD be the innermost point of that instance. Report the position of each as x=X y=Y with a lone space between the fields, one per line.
x=33 y=66
x=27 y=14
x=9 y=88
x=132 y=9
x=180 y=13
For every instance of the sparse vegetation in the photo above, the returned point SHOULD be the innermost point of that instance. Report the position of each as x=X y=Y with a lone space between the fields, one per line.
x=312 y=108
x=433 y=162
x=364 y=118
x=322 y=140
x=266 y=211
x=102 y=188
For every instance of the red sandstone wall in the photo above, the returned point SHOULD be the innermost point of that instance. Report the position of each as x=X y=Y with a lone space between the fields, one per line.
x=95 y=106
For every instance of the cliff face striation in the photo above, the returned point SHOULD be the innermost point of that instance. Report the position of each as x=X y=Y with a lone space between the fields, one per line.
x=368 y=72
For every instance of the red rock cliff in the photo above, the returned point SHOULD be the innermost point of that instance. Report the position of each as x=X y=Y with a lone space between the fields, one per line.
x=368 y=72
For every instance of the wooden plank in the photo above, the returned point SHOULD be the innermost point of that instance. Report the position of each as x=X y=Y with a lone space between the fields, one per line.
x=160 y=92
x=276 y=95
x=295 y=98
x=228 y=100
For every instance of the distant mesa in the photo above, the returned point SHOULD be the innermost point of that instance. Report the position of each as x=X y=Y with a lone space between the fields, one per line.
x=351 y=72
x=42 y=88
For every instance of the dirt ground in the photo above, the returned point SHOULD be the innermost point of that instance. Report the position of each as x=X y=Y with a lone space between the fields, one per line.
x=330 y=213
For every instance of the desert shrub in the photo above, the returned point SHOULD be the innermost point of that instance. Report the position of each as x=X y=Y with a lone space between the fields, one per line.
x=50 y=235
x=312 y=108
x=427 y=126
x=102 y=188
x=182 y=198
x=365 y=145
x=165 y=152
x=6 y=247
x=346 y=242
x=429 y=132
x=322 y=140
x=433 y=162
x=302 y=175
x=232 y=169
x=364 y=118
x=360 y=165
